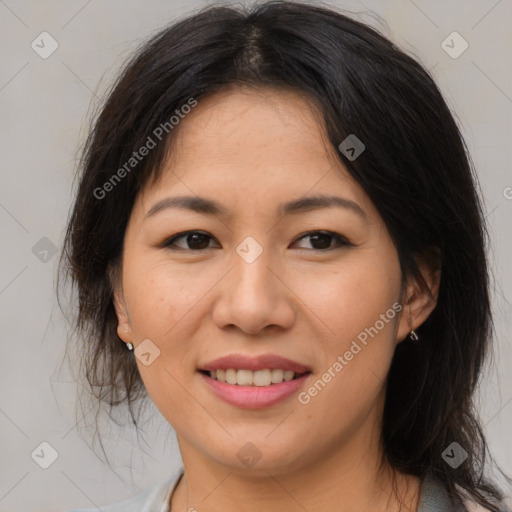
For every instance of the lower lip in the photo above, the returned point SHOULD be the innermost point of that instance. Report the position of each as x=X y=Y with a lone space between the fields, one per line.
x=254 y=397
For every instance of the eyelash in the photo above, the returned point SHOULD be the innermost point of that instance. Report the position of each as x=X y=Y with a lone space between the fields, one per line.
x=341 y=241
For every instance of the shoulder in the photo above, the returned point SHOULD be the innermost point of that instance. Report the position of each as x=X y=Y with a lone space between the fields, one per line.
x=434 y=498
x=155 y=499
x=476 y=507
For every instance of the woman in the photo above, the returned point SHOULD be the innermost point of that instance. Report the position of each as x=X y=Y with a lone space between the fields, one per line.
x=277 y=237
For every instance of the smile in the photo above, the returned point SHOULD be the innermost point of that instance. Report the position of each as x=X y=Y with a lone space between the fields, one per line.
x=254 y=396
x=260 y=378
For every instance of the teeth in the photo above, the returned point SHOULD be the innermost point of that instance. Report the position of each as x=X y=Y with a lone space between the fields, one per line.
x=262 y=378
x=277 y=376
x=250 y=378
x=231 y=376
x=245 y=378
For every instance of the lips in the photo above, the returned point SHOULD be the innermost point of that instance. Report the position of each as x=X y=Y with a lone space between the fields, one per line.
x=262 y=362
x=263 y=392
x=253 y=397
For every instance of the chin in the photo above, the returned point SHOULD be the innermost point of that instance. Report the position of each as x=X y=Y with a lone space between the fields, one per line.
x=259 y=456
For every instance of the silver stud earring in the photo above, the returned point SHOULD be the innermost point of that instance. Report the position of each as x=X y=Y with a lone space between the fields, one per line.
x=413 y=336
x=129 y=346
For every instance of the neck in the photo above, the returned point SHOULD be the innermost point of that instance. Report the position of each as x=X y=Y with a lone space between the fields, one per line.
x=343 y=480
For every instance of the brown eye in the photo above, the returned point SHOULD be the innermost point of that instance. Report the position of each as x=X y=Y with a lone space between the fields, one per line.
x=321 y=240
x=193 y=240
x=198 y=241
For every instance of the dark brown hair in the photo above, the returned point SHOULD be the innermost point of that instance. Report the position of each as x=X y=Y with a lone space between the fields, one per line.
x=415 y=169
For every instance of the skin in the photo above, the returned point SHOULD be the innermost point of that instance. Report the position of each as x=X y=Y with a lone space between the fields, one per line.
x=252 y=150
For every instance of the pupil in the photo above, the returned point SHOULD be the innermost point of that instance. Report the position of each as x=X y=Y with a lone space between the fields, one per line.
x=197 y=241
x=324 y=240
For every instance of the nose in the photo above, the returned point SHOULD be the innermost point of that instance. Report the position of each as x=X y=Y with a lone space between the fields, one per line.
x=254 y=298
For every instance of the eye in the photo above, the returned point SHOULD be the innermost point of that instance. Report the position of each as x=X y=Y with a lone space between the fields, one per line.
x=321 y=240
x=199 y=240
x=196 y=241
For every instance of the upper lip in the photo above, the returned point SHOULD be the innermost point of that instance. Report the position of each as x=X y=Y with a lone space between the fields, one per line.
x=261 y=362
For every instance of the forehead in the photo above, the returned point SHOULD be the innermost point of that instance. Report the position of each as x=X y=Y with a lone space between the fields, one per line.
x=253 y=145
x=268 y=122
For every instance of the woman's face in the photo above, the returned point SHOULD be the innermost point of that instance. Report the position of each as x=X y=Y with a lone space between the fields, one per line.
x=260 y=280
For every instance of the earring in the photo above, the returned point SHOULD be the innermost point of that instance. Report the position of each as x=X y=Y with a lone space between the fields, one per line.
x=413 y=336
x=129 y=346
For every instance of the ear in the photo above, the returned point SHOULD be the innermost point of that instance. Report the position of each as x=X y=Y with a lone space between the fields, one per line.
x=124 y=330
x=420 y=299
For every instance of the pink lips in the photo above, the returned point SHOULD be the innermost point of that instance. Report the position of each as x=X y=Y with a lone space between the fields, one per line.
x=243 y=362
x=255 y=397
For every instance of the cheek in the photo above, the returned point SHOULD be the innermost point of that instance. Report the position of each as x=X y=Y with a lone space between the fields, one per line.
x=160 y=295
x=351 y=297
x=357 y=303
x=162 y=300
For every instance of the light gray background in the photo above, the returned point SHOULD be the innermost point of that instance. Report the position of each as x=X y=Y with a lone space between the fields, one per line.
x=44 y=107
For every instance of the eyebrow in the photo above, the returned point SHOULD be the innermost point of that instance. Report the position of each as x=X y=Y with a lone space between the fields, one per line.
x=210 y=207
